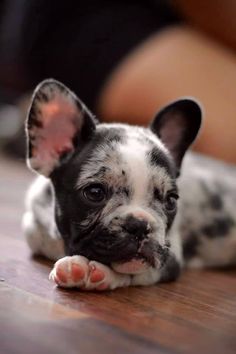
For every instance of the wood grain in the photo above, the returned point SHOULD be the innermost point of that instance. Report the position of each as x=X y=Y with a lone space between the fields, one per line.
x=197 y=314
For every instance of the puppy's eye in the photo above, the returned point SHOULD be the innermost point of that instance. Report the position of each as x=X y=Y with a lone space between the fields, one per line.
x=171 y=202
x=94 y=193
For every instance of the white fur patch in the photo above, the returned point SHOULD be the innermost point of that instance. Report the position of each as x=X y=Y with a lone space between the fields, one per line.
x=133 y=155
x=39 y=223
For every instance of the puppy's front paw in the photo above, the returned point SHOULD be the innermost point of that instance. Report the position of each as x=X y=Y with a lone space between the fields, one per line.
x=78 y=271
x=70 y=271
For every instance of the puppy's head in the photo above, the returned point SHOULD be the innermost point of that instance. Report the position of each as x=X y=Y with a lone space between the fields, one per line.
x=115 y=185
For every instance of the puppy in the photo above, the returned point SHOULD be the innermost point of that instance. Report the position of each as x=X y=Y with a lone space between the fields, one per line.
x=106 y=204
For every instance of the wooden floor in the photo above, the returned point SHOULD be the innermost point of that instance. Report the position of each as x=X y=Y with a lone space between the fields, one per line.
x=197 y=314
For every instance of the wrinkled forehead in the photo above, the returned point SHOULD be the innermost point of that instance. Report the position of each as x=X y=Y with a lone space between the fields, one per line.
x=127 y=155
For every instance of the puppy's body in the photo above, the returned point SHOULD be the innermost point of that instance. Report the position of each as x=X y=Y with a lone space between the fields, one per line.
x=110 y=205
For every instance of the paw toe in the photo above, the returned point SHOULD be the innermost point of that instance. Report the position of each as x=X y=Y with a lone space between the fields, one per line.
x=69 y=271
x=61 y=275
x=96 y=275
x=77 y=272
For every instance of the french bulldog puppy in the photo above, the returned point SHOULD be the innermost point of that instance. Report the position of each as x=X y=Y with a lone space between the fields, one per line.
x=106 y=204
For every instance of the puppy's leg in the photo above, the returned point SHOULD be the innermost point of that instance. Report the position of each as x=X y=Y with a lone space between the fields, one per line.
x=79 y=272
x=39 y=223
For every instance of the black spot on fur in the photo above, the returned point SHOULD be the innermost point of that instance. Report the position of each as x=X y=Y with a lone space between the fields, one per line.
x=160 y=159
x=46 y=197
x=190 y=245
x=127 y=192
x=171 y=269
x=151 y=252
x=111 y=135
x=48 y=191
x=216 y=202
x=219 y=227
x=122 y=190
x=100 y=172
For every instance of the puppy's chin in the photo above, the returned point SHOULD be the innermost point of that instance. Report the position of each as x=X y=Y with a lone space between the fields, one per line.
x=134 y=266
x=145 y=258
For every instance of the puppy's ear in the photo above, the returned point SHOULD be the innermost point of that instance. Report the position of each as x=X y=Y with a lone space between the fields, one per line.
x=57 y=122
x=177 y=126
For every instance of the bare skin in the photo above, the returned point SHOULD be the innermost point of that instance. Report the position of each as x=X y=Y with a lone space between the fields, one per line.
x=177 y=62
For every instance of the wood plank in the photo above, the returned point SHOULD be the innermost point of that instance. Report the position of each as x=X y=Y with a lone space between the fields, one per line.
x=33 y=325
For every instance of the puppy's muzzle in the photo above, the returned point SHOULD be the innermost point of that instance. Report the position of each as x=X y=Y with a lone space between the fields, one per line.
x=137 y=230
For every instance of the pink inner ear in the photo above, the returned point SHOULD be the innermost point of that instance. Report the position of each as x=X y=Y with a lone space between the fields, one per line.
x=59 y=119
x=172 y=132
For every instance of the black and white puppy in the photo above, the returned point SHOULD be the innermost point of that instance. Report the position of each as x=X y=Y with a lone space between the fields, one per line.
x=106 y=205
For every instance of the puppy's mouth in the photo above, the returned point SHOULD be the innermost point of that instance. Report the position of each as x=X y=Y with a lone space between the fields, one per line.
x=145 y=258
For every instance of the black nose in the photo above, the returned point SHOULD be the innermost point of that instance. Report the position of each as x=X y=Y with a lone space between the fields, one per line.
x=136 y=227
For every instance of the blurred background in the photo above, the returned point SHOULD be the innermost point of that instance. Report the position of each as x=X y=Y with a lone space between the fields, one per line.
x=125 y=59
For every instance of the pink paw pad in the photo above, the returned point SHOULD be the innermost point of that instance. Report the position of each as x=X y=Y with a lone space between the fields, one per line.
x=77 y=272
x=96 y=275
x=61 y=276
